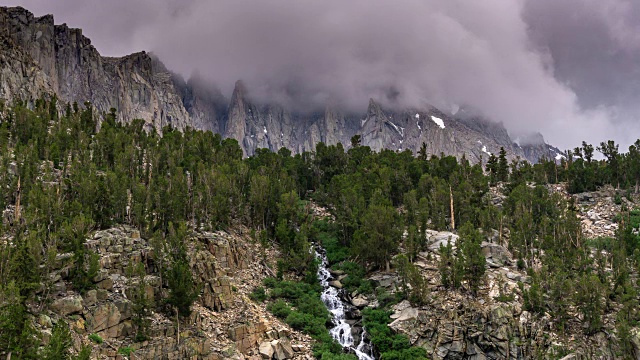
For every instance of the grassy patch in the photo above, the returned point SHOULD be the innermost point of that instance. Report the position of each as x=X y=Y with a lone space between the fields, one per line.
x=96 y=338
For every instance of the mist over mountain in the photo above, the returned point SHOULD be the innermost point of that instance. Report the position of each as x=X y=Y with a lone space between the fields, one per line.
x=63 y=61
x=499 y=57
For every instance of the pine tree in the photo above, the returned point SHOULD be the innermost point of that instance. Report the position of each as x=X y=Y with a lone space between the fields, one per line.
x=59 y=344
x=492 y=169
x=472 y=258
x=450 y=267
x=502 y=170
x=378 y=237
x=18 y=336
x=589 y=300
x=182 y=288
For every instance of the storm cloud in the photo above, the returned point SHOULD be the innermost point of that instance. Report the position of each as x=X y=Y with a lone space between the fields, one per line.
x=564 y=68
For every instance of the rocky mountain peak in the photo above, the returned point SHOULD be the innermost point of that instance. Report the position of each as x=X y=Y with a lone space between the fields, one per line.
x=374 y=110
x=534 y=138
x=38 y=57
x=239 y=91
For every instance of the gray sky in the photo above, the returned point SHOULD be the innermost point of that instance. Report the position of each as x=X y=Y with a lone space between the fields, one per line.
x=568 y=69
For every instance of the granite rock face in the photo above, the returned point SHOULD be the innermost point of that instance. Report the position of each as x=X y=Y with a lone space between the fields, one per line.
x=39 y=58
x=137 y=86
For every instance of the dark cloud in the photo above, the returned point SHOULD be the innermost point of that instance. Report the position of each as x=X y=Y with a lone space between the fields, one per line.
x=536 y=65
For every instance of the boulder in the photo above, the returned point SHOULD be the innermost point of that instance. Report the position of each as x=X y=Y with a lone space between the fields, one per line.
x=404 y=315
x=336 y=284
x=359 y=301
x=496 y=254
x=282 y=349
x=103 y=317
x=266 y=350
x=336 y=272
x=90 y=298
x=442 y=238
x=67 y=305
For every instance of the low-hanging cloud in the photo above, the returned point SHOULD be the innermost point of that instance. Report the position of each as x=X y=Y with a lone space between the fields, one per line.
x=490 y=55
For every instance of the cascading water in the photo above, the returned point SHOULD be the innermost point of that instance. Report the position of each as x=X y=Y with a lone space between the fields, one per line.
x=331 y=299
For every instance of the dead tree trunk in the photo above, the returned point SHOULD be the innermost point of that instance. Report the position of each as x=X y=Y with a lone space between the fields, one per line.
x=16 y=214
x=453 y=219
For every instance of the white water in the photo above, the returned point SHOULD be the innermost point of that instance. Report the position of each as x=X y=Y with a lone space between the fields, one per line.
x=342 y=330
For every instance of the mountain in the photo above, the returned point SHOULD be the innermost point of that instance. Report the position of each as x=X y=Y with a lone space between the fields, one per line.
x=38 y=58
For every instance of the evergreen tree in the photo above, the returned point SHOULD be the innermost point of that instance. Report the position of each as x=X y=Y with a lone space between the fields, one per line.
x=492 y=169
x=502 y=168
x=472 y=258
x=18 y=336
x=378 y=237
x=59 y=344
x=589 y=300
x=182 y=288
x=450 y=267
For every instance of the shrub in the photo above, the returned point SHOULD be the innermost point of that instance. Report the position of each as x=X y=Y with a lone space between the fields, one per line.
x=270 y=282
x=279 y=308
x=96 y=338
x=355 y=279
x=126 y=351
x=258 y=294
x=391 y=346
x=84 y=354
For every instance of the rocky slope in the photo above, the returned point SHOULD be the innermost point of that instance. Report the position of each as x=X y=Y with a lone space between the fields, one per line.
x=40 y=58
x=224 y=324
x=494 y=324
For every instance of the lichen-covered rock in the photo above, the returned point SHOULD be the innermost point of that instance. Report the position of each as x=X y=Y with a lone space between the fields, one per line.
x=67 y=305
x=103 y=317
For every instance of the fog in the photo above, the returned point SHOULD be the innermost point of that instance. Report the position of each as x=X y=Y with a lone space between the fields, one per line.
x=564 y=69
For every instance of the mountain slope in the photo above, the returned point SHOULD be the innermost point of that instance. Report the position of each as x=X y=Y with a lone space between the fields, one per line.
x=39 y=58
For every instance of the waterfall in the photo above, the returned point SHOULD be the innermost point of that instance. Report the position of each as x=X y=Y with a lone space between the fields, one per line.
x=331 y=299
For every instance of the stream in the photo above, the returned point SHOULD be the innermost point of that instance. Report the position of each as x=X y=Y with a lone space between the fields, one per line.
x=343 y=329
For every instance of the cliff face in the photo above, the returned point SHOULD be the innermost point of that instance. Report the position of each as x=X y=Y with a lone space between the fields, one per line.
x=69 y=66
x=38 y=58
x=224 y=323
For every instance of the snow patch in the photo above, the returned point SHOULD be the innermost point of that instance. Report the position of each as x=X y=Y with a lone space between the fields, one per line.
x=484 y=150
x=264 y=128
x=560 y=157
x=438 y=121
x=417 y=116
x=398 y=130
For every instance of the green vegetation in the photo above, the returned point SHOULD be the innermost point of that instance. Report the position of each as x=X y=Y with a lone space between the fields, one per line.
x=258 y=294
x=126 y=351
x=95 y=338
x=60 y=344
x=65 y=175
x=299 y=305
x=391 y=346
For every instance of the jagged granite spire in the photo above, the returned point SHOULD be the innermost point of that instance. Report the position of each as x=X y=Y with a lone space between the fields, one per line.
x=38 y=57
